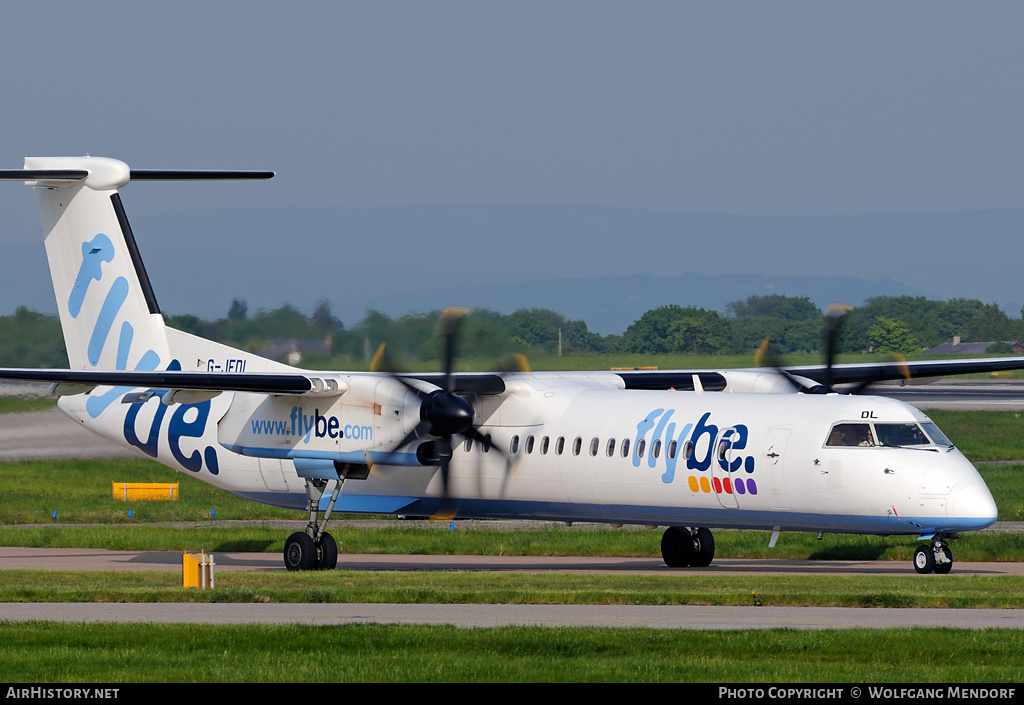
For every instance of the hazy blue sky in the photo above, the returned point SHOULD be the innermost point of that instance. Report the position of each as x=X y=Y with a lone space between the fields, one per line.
x=756 y=108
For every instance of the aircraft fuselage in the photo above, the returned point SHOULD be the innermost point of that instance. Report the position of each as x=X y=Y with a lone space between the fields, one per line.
x=577 y=449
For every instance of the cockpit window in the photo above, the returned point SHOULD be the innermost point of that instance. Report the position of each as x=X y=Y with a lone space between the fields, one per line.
x=850 y=434
x=936 y=435
x=901 y=434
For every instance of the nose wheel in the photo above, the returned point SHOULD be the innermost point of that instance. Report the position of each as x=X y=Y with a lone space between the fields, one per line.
x=934 y=558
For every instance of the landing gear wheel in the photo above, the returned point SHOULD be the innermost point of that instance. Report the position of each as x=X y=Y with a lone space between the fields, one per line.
x=677 y=548
x=300 y=552
x=327 y=553
x=705 y=545
x=924 y=559
x=944 y=566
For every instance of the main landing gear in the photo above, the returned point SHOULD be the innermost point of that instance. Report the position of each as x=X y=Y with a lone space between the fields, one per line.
x=681 y=546
x=934 y=558
x=314 y=548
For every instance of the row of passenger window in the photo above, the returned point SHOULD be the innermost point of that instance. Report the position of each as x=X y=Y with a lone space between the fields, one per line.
x=544 y=445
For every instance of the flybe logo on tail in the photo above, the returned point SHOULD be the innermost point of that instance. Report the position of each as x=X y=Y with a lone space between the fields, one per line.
x=187 y=420
x=94 y=253
x=699 y=445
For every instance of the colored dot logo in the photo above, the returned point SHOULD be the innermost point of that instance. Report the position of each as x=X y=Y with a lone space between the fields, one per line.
x=728 y=486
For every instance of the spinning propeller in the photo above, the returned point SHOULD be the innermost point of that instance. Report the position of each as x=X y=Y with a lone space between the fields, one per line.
x=765 y=357
x=443 y=412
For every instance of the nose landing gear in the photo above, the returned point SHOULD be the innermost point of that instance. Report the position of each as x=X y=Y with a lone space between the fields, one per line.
x=934 y=558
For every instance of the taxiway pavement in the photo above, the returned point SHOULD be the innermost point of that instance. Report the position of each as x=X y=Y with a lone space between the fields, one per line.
x=649 y=616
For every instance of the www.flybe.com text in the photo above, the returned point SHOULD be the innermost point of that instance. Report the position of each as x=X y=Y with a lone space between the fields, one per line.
x=308 y=425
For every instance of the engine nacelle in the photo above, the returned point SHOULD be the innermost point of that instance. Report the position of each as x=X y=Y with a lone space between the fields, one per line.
x=362 y=425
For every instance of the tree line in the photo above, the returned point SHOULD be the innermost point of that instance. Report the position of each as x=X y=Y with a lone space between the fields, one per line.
x=901 y=324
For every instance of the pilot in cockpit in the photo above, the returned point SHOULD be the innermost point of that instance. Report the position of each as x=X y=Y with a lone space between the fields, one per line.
x=851 y=434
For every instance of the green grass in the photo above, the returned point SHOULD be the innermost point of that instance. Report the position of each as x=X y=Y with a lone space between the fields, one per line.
x=22 y=404
x=82 y=491
x=131 y=653
x=983 y=435
x=556 y=588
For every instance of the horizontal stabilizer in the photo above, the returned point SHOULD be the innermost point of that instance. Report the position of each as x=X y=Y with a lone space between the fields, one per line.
x=43 y=174
x=199 y=175
x=72 y=175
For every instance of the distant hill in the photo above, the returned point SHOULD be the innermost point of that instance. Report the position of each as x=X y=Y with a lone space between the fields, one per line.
x=603 y=265
x=610 y=304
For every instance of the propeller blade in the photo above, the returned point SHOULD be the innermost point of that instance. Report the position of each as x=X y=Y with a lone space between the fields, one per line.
x=444 y=413
x=420 y=394
x=513 y=362
x=448 y=324
x=511 y=462
x=446 y=459
x=380 y=361
x=448 y=508
x=422 y=429
x=833 y=314
x=765 y=357
x=900 y=363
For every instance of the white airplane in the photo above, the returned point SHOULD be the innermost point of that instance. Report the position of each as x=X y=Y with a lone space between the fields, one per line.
x=687 y=449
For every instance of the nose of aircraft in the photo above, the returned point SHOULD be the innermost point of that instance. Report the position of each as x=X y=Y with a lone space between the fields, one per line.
x=973 y=507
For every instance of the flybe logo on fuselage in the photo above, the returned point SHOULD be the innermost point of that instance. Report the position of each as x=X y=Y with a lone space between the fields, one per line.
x=699 y=445
x=301 y=425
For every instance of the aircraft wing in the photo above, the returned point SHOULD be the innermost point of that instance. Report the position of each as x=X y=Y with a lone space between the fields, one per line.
x=887 y=371
x=851 y=373
x=332 y=383
x=325 y=383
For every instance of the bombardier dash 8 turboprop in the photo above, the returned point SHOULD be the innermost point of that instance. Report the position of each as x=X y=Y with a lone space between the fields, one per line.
x=691 y=450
